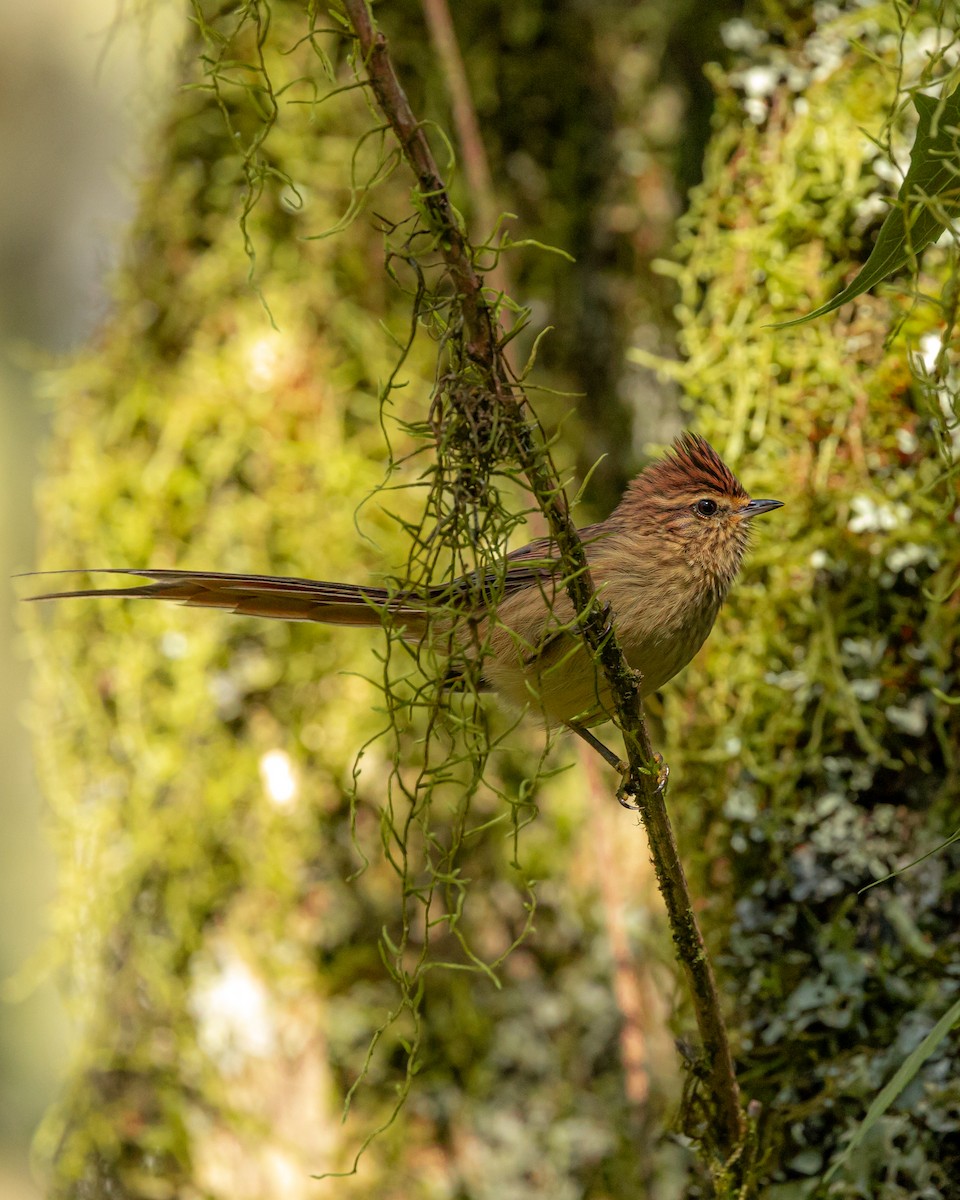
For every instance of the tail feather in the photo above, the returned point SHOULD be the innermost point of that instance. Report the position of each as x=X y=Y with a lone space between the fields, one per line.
x=287 y=599
x=291 y=599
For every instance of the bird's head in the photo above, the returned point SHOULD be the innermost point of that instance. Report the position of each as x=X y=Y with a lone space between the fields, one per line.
x=695 y=507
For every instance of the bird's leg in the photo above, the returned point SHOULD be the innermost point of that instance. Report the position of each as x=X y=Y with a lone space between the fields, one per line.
x=618 y=764
x=605 y=752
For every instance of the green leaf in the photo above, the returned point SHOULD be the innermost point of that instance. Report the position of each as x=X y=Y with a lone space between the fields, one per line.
x=954 y=837
x=929 y=193
x=903 y=1075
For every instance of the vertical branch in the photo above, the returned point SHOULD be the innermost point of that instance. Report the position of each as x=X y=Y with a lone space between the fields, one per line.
x=483 y=352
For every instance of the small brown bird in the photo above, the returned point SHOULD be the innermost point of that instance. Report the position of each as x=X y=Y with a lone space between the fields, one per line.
x=663 y=562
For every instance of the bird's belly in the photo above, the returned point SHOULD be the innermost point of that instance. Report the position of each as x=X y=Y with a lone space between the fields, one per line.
x=561 y=686
x=559 y=681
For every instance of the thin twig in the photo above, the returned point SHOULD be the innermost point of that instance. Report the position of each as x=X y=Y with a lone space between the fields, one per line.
x=482 y=346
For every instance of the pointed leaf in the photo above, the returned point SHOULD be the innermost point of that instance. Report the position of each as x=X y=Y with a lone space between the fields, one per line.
x=901 y=1077
x=912 y=223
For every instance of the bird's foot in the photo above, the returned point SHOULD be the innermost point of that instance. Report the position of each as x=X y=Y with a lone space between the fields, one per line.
x=626 y=796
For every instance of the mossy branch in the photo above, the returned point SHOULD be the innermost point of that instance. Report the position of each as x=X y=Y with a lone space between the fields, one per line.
x=484 y=352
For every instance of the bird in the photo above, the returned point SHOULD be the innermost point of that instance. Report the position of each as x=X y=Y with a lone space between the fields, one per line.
x=662 y=563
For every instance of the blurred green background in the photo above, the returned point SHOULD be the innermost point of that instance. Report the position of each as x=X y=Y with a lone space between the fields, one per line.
x=73 y=103
x=83 y=101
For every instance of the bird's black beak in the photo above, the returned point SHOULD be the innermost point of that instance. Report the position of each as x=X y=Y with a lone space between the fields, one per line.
x=756 y=507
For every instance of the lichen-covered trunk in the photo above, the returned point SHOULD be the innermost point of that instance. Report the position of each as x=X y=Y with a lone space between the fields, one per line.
x=821 y=726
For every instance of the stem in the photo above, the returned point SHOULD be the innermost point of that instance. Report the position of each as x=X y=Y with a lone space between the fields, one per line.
x=692 y=953
x=484 y=352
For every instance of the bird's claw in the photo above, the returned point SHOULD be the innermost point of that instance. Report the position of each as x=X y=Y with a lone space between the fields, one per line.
x=606 y=615
x=663 y=771
x=628 y=798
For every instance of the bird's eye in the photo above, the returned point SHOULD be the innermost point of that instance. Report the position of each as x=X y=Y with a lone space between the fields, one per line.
x=705 y=508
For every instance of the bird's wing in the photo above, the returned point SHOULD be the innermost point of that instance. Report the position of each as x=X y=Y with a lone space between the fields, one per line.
x=531 y=565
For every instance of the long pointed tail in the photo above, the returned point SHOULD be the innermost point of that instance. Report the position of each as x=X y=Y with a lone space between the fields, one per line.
x=286 y=599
